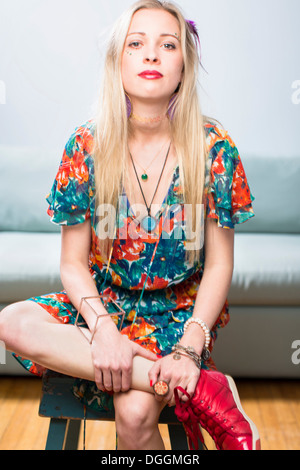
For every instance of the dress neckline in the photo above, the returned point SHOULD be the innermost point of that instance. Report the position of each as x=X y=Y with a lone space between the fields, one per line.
x=162 y=207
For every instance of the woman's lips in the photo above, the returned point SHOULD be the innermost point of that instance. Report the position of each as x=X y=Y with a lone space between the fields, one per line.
x=150 y=75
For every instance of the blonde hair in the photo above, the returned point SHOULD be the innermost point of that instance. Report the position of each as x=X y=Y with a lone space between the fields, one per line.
x=113 y=127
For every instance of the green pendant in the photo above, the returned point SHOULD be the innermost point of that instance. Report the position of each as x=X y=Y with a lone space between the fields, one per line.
x=144 y=177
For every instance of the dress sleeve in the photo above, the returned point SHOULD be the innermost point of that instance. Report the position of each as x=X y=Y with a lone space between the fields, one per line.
x=69 y=197
x=228 y=198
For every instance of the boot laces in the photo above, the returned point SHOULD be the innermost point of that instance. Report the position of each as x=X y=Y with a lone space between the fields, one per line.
x=190 y=420
x=214 y=423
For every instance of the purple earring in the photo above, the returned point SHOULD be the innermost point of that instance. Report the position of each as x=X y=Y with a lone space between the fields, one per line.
x=171 y=107
x=129 y=106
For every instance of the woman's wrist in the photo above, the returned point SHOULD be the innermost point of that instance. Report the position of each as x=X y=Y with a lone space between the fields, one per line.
x=95 y=315
x=193 y=337
x=202 y=325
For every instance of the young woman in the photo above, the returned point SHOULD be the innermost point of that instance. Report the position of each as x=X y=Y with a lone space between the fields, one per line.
x=129 y=195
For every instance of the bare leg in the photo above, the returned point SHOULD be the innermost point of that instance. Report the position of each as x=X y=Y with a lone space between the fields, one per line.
x=137 y=415
x=29 y=331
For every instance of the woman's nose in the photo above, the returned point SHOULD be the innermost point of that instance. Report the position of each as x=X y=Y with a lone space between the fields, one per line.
x=151 y=58
x=151 y=54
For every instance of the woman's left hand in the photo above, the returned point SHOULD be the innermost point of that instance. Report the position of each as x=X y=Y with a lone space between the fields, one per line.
x=183 y=373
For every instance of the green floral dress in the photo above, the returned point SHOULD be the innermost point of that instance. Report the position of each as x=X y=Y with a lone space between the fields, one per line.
x=170 y=283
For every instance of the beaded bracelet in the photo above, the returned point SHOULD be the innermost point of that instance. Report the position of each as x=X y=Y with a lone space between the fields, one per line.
x=204 y=327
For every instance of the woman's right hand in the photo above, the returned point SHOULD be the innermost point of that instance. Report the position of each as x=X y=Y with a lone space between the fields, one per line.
x=112 y=355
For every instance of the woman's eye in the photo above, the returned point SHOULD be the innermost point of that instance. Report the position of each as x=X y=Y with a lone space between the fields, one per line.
x=134 y=44
x=168 y=46
x=171 y=46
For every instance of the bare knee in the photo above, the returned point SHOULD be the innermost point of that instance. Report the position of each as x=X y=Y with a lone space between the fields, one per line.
x=133 y=415
x=14 y=322
x=9 y=322
x=136 y=420
x=132 y=426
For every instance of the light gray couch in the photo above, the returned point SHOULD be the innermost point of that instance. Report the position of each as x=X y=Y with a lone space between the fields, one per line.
x=265 y=294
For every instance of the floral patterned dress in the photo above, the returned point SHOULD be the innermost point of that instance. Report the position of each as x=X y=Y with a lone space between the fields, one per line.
x=170 y=283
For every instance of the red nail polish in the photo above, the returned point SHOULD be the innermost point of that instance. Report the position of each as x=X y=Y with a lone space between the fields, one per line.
x=159 y=357
x=151 y=383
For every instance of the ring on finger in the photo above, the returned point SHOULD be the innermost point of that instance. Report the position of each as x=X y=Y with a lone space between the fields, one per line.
x=161 y=388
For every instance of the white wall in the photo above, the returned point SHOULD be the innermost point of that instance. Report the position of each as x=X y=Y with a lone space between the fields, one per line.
x=51 y=56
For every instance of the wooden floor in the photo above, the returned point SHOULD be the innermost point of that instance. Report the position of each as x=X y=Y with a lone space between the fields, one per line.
x=274 y=406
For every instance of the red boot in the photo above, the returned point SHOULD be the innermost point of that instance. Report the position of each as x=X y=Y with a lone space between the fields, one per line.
x=216 y=407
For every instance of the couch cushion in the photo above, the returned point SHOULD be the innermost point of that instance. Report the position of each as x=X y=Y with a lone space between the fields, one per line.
x=29 y=265
x=258 y=341
x=267 y=270
x=274 y=182
x=26 y=177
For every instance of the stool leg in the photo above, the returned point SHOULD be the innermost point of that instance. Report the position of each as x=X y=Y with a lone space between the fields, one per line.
x=178 y=437
x=72 y=436
x=56 y=434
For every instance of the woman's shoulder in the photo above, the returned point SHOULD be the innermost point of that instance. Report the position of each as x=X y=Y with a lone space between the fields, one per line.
x=215 y=133
x=87 y=127
x=79 y=147
x=83 y=134
x=78 y=150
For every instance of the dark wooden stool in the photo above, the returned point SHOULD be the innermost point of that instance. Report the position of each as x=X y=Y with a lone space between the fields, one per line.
x=67 y=412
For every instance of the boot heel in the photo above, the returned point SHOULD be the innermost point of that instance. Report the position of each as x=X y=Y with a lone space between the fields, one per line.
x=256 y=443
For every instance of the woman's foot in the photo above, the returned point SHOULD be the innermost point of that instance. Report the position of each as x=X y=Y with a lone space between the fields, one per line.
x=216 y=407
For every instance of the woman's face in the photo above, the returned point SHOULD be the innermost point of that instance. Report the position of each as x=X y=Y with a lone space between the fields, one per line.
x=152 y=44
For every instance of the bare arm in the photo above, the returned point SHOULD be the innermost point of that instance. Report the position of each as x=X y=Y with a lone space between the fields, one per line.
x=211 y=297
x=215 y=283
x=74 y=270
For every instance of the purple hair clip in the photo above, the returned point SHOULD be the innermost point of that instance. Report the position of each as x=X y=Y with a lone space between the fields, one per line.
x=193 y=28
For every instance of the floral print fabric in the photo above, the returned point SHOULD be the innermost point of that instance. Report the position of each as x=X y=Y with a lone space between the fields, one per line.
x=155 y=321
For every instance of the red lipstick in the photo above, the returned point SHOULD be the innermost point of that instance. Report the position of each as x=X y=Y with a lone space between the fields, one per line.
x=150 y=74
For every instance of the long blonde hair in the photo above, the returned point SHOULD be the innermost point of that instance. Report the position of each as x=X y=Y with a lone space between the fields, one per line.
x=113 y=127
